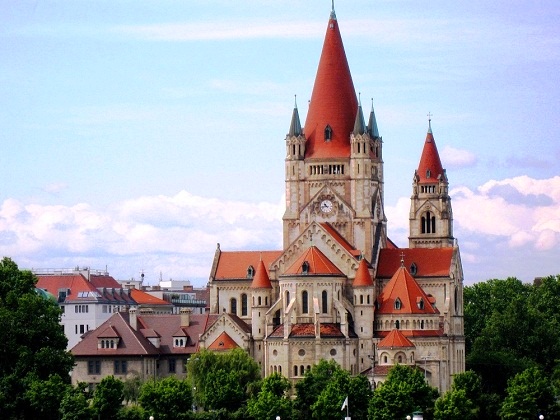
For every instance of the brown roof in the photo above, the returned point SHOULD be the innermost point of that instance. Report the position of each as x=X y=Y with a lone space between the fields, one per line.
x=136 y=343
x=317 y=264
x=143 y=298
x=395 y=339
x=403 y=288
x=223 y=342
x=234 y=264
x=429 y=262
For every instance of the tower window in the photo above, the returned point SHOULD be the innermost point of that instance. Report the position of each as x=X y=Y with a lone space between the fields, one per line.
x=233 y=306
x=328 y=133
x=304 y=302
x=428 y=223
x=428 y=173
x=244 y=304
x=324 y=301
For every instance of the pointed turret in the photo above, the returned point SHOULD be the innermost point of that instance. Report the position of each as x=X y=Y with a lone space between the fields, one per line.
x=333 y=105
x=430 y=167
x=372 y=124
x=359 y=122
x=295 y=125
x=363 y=278
x=261 y=279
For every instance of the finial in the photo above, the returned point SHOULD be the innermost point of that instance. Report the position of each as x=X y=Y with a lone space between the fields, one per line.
x=332 y=6
x=333 y=14
x=295 y=101
x=402 y=259
x=360 y=98
x=430 y=115
x=371 y=103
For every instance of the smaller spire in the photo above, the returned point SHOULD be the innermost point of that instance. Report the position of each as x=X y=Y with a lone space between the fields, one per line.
x=333 y=14
x=372 y=124
x=359 y=123
x=295 y=125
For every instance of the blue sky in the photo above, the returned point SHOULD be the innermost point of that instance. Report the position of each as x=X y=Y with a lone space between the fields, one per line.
x=135 y=135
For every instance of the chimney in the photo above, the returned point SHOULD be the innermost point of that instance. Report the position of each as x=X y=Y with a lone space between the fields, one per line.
x=185 y=317
x=133 y=320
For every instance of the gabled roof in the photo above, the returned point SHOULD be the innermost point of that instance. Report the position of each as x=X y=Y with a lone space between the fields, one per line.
x=232 y=265
x=315 y=262
x=143 y=298
x=109 y=332
x=429 y=262
x=135 y=342
x=223 y=342
x=340 y=239
x=430 y=162
x=395 y=339
x=363 y=278
x=333 y=101
x=403 y=295
x=261 y=279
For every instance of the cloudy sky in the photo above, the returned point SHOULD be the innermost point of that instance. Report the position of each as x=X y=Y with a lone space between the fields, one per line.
x=135 y=135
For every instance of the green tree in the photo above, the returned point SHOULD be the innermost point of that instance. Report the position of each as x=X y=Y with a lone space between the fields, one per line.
x=74 y=404
x=272 y=400
x=44 y=397
x=454 y=405
x=107 y=397
x=166 y=399
x=131 y=389
x=404 y=391
x=528 y=394
x=33 y=343
x=222 y=380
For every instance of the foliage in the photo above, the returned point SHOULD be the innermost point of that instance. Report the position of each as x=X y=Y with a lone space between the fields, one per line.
x=272 y=400
x=166 y=399
x=107 y=397
x=222 y=380
x=131 y=389
x=133 y=412
x=529 y=394
x=454 y=405
x=74 y=404
x=44 y=397
x=404 y=392
x=33 y=344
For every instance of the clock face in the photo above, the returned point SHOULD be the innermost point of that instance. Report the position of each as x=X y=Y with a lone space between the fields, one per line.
x=326 y=206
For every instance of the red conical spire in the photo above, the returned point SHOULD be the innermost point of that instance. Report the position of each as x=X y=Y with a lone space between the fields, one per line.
x=363 y=278
x=333 y=101
x=429 y=168
x=261 y=279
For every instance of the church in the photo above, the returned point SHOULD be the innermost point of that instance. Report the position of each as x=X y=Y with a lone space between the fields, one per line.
x=340 y=289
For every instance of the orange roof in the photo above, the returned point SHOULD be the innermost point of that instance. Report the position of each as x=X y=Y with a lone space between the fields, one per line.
x=363 y=278
x=429 y=161
x=234 y=264
x=223 y=342
x=333 y=101
x=317 y=264
x=261 y=279
x=395 y=339
x=143 y=298
x=403 y=288
x=340 y=239
x=429 y=262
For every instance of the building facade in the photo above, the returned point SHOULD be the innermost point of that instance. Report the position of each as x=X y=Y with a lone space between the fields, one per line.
x=340 y=289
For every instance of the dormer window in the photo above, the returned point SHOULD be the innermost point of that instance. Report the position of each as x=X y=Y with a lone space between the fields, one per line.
x=305 y=267
x=107 y=343
x=420 y=303
x=179 y=342
x=398 y=304
x=413 y=269
x=428 y=173
x=328 y=133
x=250 y=272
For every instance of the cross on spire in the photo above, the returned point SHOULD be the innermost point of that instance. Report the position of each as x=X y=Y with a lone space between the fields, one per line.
x=430 y=115
x=402 y=259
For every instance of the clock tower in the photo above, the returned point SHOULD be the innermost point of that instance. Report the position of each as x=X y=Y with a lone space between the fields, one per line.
x=334 y=166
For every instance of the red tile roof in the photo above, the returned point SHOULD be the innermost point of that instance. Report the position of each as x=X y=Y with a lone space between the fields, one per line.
x=429 y=161
x=326 y=330
x=429 y=262
x=143 y=298
x=333 y=101
x=317 y=264
x=404 y=288
x=261 y=279
x=234 y=264
x=223 y=342
x=363 y=278
x=340 y=239
x=395 y=339
x=414 y=333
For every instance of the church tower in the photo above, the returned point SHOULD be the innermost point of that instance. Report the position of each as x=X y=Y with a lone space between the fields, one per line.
x=431 y=217
x=334 y=169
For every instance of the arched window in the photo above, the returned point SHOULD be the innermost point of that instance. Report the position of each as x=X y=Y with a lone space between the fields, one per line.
x=422 y=324
x=295 y=370
x=428 y=223
x=421 y=303
x=304 y=302
x=397 y=324
x=244 y=304
x=259 y=300
x=398 y=304
x=233 y=306
x=324 y=302
x=250 y=272
x=328 y=133
x=287 y=298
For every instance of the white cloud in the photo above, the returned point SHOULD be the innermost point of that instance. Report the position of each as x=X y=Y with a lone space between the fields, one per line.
x=457 y=158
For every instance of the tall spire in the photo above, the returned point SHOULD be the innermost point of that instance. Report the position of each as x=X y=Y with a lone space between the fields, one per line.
x=333 y=105
x=372 y=124
x=295 y=125
x=430 y=167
